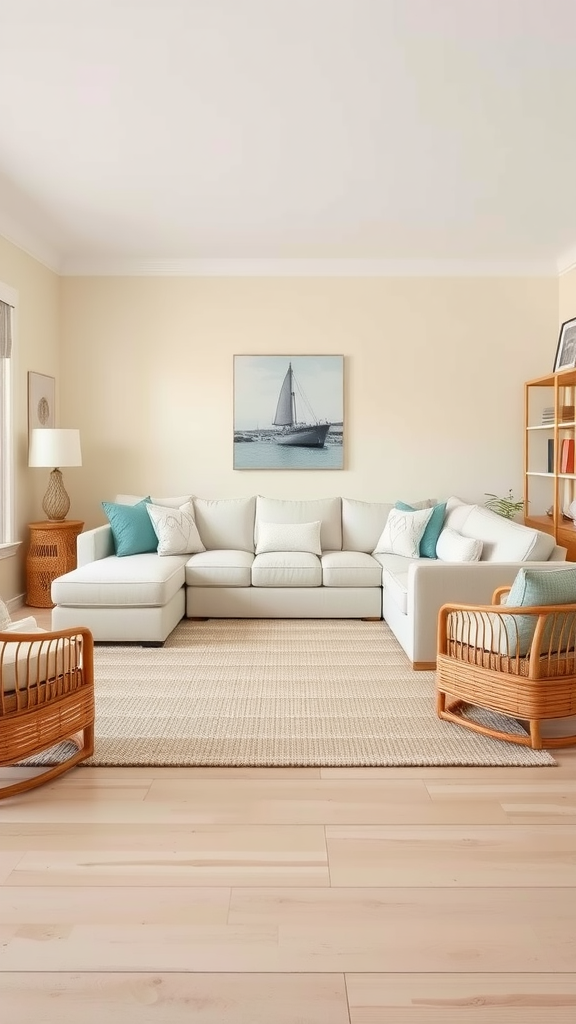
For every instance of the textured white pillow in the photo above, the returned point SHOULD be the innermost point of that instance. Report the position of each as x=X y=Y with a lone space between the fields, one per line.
x=289 y=537
x=451 y=546
x=403 y=532
x=176 y=529
x=5 y=619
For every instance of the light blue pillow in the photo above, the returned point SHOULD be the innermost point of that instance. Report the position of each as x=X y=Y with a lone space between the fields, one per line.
x=539 y=587
x=432 y=531
x=132 y=531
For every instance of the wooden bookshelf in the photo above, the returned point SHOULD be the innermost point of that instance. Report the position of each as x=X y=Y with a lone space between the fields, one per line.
x=550 y=435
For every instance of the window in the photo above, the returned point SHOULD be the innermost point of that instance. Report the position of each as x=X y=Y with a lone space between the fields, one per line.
x=8 y=300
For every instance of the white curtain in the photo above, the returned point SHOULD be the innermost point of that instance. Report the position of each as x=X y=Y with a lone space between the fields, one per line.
x=5 y=330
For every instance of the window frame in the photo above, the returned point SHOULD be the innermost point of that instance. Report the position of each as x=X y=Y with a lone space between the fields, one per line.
x=8 y=543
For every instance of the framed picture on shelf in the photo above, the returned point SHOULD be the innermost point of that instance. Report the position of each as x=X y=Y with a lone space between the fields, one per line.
x=566 y=348
x=41 y=401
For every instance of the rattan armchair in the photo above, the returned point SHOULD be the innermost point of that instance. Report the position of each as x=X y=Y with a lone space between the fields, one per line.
x=488 y=658
x=46 y=696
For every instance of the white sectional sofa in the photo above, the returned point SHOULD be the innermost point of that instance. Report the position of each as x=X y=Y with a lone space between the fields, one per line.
x=272 y=558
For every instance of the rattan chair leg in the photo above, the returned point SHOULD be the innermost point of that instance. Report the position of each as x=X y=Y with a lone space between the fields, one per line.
x=84 y=743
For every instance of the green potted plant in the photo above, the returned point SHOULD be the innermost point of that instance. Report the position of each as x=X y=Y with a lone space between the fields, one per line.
x=507 y=507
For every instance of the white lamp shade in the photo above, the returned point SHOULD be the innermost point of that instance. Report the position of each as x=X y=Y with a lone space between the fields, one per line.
x=54 y=447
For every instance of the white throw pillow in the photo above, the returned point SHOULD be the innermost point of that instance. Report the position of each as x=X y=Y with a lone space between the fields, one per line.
x=5 y=619
x=403 y=532
x=289 y=537
x=176 y=529
x=451 y=546
x=27 y=625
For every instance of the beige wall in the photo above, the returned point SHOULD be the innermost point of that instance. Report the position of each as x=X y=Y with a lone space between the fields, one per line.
x=567 y=296
x=37 y=330
x=434 y=370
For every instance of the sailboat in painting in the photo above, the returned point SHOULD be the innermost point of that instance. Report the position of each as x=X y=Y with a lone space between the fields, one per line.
x=301 y=435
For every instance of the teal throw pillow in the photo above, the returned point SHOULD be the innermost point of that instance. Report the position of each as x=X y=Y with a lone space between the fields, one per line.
x=539 y=587
x=132 y=530
x=432 y=531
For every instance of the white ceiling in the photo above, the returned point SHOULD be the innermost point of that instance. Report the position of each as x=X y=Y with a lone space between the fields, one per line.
x=396 y=133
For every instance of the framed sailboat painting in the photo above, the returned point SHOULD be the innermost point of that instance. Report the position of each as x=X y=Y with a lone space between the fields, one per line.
x=288 y=412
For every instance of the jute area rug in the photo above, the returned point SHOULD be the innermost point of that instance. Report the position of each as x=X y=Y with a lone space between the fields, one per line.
x=243 y=692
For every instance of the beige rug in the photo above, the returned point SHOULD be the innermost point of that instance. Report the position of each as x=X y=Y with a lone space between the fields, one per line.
x=278 y=692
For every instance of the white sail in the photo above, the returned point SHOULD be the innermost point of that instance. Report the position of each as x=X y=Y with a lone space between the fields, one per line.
x=284 y=415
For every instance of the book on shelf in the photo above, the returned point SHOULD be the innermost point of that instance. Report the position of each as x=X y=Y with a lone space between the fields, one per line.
x=566 y=414
x=567 y=455
x=550 y=454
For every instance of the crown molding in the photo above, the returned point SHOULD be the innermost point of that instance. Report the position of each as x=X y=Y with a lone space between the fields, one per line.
x=103 y=267
x=567 y=262
x=29 y=243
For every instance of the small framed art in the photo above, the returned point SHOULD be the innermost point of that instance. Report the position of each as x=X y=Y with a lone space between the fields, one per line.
x=566 y=348
x=41 y=400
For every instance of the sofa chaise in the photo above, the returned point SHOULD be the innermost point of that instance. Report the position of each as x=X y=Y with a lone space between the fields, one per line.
x=262 y=557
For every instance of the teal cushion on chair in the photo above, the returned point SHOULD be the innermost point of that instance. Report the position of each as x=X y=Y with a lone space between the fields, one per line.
x=432 y=531
x=132 y=531
x=539 y=587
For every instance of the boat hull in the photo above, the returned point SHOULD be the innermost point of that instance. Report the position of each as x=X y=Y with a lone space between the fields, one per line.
x=305 y=436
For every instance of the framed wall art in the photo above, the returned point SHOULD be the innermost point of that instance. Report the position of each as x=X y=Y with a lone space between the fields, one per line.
x=41 y=401
x=288 y=412
x=566 y=348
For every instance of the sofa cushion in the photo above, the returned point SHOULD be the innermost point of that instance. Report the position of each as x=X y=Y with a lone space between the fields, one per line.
x=32 y=662
x=350 y=569
x=175 y=529
x=432 y=531
x=225 y=524
x=362 y=523
x=288 y=537
x=533 y=587
x=132 y=531
x=142 y=580
x=286 y=569
x=5 y=619
x=219 y=568
x=455 y=547
x=403 y=532
x=327 y=510
x=505 y=540
x=26 y=625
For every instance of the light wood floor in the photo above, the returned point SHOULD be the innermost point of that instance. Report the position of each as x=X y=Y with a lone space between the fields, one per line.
x=291 y=896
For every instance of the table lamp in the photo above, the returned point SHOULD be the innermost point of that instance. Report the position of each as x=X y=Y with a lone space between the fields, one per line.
x=55 y=447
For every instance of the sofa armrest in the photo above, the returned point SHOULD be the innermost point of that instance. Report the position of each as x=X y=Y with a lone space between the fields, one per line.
x=94 y=544
x=432 y=583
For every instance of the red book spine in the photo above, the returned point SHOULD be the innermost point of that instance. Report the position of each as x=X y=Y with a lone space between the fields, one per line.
x=567 y=456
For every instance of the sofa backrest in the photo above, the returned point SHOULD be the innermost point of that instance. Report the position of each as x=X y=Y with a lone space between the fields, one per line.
x=327 y=511
x=225 y=524
x=362 y=523
x=503 y=539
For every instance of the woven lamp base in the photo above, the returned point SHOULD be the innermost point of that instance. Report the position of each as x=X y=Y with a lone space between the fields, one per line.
x=56 y=503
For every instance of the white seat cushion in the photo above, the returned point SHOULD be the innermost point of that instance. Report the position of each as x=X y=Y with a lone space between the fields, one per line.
x=350 y=569
x=286 y=569
x=30 y=663
x=145 y=580
x=219 y=569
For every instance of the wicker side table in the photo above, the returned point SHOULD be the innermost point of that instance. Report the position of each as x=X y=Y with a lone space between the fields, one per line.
x=52 y=552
